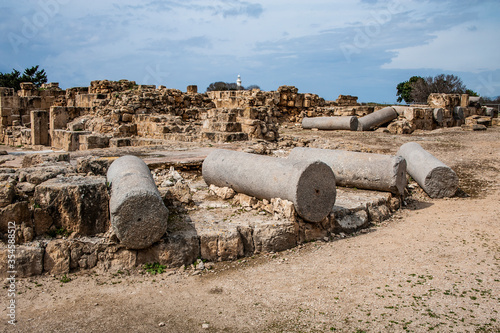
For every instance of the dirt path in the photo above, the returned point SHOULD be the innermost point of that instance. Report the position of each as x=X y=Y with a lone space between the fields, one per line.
x=435 y=265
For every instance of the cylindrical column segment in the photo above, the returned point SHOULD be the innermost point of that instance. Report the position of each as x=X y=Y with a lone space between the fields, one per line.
x=309 y=185
x=349 y=123
x=436 y=179
x=138 y=214
x=376 y=118
x=360 y=170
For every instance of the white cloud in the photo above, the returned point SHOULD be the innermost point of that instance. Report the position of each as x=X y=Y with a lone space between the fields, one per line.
x=465 y=48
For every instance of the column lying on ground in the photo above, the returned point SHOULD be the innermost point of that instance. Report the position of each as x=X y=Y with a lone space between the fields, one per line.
x=376 y=118
x=138 y=214
x=435 y=178
x=349 y=123
x=309 y=185
x=361 y=170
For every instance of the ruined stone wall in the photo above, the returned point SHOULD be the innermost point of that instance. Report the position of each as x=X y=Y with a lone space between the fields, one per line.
x=124 y=113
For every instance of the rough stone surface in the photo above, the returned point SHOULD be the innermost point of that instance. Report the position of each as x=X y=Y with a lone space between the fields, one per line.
x=29 y=260
x=309 y=185
x=18 y=212
x=436 y=179
x=138 y=214
x=78 y=204
x=116 y=257
x=222 y=192
x=7 y=192
x=360 y=170
x=37 y=175
x=57 y=257
x=179 y=248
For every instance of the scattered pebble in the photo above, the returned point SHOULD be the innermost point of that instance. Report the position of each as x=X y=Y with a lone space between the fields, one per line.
x=161 y=324
x=205 y=326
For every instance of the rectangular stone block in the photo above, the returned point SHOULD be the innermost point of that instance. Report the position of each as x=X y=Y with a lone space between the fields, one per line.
x=29 y=260
x=67 y=140
x=78 y=204
x=40 y=127
x=92 y=141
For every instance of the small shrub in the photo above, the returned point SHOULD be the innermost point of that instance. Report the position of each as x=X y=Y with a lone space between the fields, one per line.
x=154 y=268
x=65 y=279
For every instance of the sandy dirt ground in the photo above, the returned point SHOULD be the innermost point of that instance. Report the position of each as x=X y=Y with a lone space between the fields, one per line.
x=434 y=266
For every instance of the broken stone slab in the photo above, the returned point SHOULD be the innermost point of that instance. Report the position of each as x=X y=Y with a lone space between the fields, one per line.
x=436 y=179
x=349 y=123
x=57 y=257
x=29 y=260
x=7 y=192
x=361 y=170
x=17 y=212
x=76 y=203
x=309 y=185
x=138 y=214
x=177 y=249
x=376 y=118
x=39 y=174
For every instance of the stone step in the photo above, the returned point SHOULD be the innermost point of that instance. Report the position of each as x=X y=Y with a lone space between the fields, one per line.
x=224 y=127
x=224 y=136
x=213 y=230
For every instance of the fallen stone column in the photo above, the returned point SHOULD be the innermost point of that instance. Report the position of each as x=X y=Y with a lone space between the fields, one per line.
x=309 y=185
x=435 y=178
x=138 y=214
x=376 y=118
x=438 y=115
x=360 y=170
x=349 y=123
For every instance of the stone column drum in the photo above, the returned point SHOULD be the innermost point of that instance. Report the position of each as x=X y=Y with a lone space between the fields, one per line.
x=138 y=214
x=435 y=178
x=309 y=185
x=376 y=118
x=361 y=170
x=349 y=123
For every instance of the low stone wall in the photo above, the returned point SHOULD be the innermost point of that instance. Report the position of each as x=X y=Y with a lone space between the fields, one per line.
x=62 y=219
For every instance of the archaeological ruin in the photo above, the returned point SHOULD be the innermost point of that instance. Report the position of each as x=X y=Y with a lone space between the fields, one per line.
x=72 y=211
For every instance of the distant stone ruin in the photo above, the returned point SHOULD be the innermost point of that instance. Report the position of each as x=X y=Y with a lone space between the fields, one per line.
x=122 y=113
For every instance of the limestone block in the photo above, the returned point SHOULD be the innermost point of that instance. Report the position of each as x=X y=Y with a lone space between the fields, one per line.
x=93 y=141
x=76 y=203
x=177 y=249
x=39 y=127
x=116 y=257
x=29 y=260
x=274 y=237
x=18 y=212
x=36 y=159
x=7 y=192
x=57 y=257
x=222 y=192
x=127 y=117
x=401 y=126
x=37 y=175
x=378 y=213
x=42 y=221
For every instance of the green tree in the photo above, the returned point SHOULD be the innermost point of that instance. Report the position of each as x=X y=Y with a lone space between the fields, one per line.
x=14 y=79
x=404 y=89
x=445 y=84
x=222 y=86
x=471 y=93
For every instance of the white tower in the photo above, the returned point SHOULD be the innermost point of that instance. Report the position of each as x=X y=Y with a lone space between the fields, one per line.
x=238 y=82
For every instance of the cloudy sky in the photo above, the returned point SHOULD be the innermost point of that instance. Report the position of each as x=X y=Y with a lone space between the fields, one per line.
x=356 y=47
